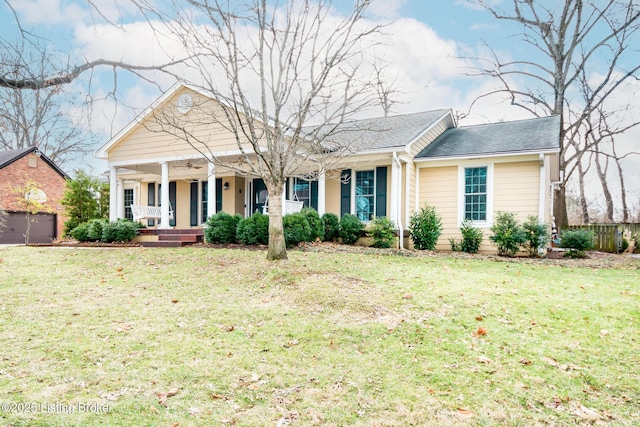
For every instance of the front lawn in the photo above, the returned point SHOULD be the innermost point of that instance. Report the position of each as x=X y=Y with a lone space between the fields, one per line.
x=200 y=336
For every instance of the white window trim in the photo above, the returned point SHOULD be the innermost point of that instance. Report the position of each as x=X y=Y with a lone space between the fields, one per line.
x=461 y=193
x=353 y=191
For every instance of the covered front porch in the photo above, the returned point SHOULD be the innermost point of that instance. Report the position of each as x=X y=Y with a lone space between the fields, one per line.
x=196 y=189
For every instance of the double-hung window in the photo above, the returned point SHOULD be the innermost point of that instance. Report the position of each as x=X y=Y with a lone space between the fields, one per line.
x=475 y=194
x=365 y=195
x=128 y=201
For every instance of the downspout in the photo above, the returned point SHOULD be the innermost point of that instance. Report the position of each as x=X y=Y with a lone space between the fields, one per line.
x=398 y=195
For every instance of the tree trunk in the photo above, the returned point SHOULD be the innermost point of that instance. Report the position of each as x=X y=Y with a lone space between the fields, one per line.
x=560 y=208
x=602 y=174
x=584 y=208
x=277 y=248
x=623 y=194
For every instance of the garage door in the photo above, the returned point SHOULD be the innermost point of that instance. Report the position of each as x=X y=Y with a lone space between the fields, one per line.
x=43 y=228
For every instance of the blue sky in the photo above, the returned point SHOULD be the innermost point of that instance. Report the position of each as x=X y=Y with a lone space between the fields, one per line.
x=428 y=41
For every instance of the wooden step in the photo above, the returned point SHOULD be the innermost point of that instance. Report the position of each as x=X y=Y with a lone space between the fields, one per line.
x=178 y=237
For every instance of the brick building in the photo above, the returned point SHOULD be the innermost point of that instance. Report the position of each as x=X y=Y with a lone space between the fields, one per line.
x=17 y=167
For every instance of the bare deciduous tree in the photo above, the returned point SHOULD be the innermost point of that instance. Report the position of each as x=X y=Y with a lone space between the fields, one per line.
x=572 y=38
x=285 y=76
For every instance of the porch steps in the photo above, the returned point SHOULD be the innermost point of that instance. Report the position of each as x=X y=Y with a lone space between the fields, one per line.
x=173 y=238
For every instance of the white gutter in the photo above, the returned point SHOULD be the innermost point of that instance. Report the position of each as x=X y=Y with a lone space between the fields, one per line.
x=398 y=195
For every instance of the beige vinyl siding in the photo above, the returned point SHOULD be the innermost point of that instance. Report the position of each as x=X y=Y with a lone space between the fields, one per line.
x=516 y=188
x=410 y=170
x=439 y=188
x=428 y=137
x=182 y=207
x=148 y=140
x=332 y=195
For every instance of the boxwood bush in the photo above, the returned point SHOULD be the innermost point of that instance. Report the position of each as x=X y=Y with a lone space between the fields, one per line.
x=81 y=232
x=537 y=235
x=383 y=231
x=221 y=228
x=253 y=230
x=95 y=229
x=296 y=229
x=350 y=229
x=508 y=235
x=471 y=237
x=577 y=241
x=331 y=227
x=315 y=222
x=119 y=231
x=425 y=227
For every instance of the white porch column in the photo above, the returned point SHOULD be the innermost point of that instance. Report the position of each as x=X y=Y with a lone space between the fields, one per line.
x=164 y=194
x=120 y=198
x=395 y=191
x=322 y=200
x=113 y=194
x=211 y=190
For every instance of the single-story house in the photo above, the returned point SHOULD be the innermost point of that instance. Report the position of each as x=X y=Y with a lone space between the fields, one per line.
x=17 y=167
x=399 y=164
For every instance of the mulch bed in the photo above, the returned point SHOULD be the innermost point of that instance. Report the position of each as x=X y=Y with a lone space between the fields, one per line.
x=594 y=259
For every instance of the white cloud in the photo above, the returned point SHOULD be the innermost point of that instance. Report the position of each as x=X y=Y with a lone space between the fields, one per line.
x=49 y=12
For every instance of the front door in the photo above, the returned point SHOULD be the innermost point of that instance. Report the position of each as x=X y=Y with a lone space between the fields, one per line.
x=259 y=195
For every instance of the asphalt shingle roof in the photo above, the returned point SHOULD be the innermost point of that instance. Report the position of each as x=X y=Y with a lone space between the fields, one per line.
x=10 y=156
x=531 y=135
x=383 y=132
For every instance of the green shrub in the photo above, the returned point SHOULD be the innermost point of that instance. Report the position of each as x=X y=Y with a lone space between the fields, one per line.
x=537 y=235
x=253 y=230
x=221 y=228
x=508 y=235
x=296 y=229
x=577 y=241
x=95 y=229
x=119 y=231
x=455 y=246
x=425 y=228
x=350 y=229
x=81 y=232
x=315 y=222
x=383 y=231
x=331 y=227
x=471 y=237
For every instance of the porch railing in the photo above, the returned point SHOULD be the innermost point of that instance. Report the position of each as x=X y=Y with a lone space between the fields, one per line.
x=149 y=212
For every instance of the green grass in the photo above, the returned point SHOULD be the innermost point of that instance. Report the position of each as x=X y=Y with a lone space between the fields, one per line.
x=321 y=339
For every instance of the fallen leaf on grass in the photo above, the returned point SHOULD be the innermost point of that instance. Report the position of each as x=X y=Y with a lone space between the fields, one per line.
x=466 y=413
x=479 y=318
x=162 y=396
x=581 y=411
x=524 y=361
x=219 y=396
x=563 y=366
x=480 y=332
x=484 y=359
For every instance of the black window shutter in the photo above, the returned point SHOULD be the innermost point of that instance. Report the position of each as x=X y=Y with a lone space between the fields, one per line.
x=381 y=191
x=193 y=205
x=345 y=192
x=151 y=200
x=218 y=195
x=314 y=195
x=172 y=200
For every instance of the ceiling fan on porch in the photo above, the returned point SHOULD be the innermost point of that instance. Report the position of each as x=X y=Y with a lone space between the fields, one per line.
x=187 y=165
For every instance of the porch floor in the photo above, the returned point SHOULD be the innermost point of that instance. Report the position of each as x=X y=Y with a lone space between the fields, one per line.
x=169 y=237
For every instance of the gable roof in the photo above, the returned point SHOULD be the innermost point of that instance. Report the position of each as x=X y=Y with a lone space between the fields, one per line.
x=10 y=156
x=383 y=133
x=522 y=136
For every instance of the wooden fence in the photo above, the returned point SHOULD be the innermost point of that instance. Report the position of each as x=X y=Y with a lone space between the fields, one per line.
x=609 y=236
